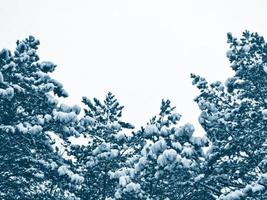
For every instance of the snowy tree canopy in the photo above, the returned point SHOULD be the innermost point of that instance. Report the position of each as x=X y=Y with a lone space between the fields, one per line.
x=233 y=116
x=161 y=160
x=106 y=149
x=28 y=116
x=165 y=161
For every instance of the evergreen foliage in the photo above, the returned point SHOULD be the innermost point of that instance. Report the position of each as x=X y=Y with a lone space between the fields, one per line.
x=159 y=161
x=233 y=116
x=107 y=147
x=28 y=116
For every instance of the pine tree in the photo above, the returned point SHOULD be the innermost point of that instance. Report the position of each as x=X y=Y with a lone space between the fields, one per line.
x=106 y=149
x=165 y=161
x=28 y=116
x=160 y=161
x=234 y=118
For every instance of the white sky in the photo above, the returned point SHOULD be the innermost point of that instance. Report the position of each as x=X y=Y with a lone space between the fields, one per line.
x=140 y=50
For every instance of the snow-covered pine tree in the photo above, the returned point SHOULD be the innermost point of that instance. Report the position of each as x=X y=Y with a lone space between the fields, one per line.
x=106 y=149
x=234 y=117
x=28 y=115
x=165 y=160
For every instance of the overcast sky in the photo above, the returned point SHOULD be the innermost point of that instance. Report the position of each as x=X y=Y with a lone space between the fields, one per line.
x=140 y=50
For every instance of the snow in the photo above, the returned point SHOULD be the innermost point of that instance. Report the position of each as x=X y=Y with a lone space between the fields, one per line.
x=246 y=48
x=254 y=188
x=35 y=129
x=186 y=162
x=87 y=121
x=41 y=75
x=105 y=155
x=7 y=93
x=18 y=89
x=31 y=52
x=250 y=66
x=46 y=87
x=40 y=120
x=39 y=175
x=76 y=109
x=199 y=177
x=47 y=118
x=21 y=128
x=117 y=195
x=158 y=174
x=74 y=132
x=212 y=107
x=175 y=116
x=178 y=131
x=264 y=113
x=243 y=193
x=77 y=179
x=64 y=170
x=67 y=109
x=104 y=146
x=202 y=104
x=220 y=87
x=114 y=125
x=164 y=131
x=172 y=137
x=234 y=195
x=141 y=164
x=5 y=67
x=123 y=180
x=120 y=172
x=64 y=108
x=189 y=129
x=8 y=129
x=198 y=141
x=53 y=165
x=229 y=53
x=177 y=145
x=96 y=151
x=90 y=163
x=1 y=78
x=47 y=66
x=133 y=187
x=187 y=151
x=111 y=175
x=51 y=99
x=114 y=153
x=143 y=161
x=120 y=136
x=265 y=68
x=27 y=128
x=151 y=129
x=19 y=76
x=168 y=156
x=65 y=117
x=159 y=146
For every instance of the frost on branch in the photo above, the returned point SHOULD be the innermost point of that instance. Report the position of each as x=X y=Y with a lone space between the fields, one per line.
x=165 y=159
x=27 y=101
x=233 y=116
